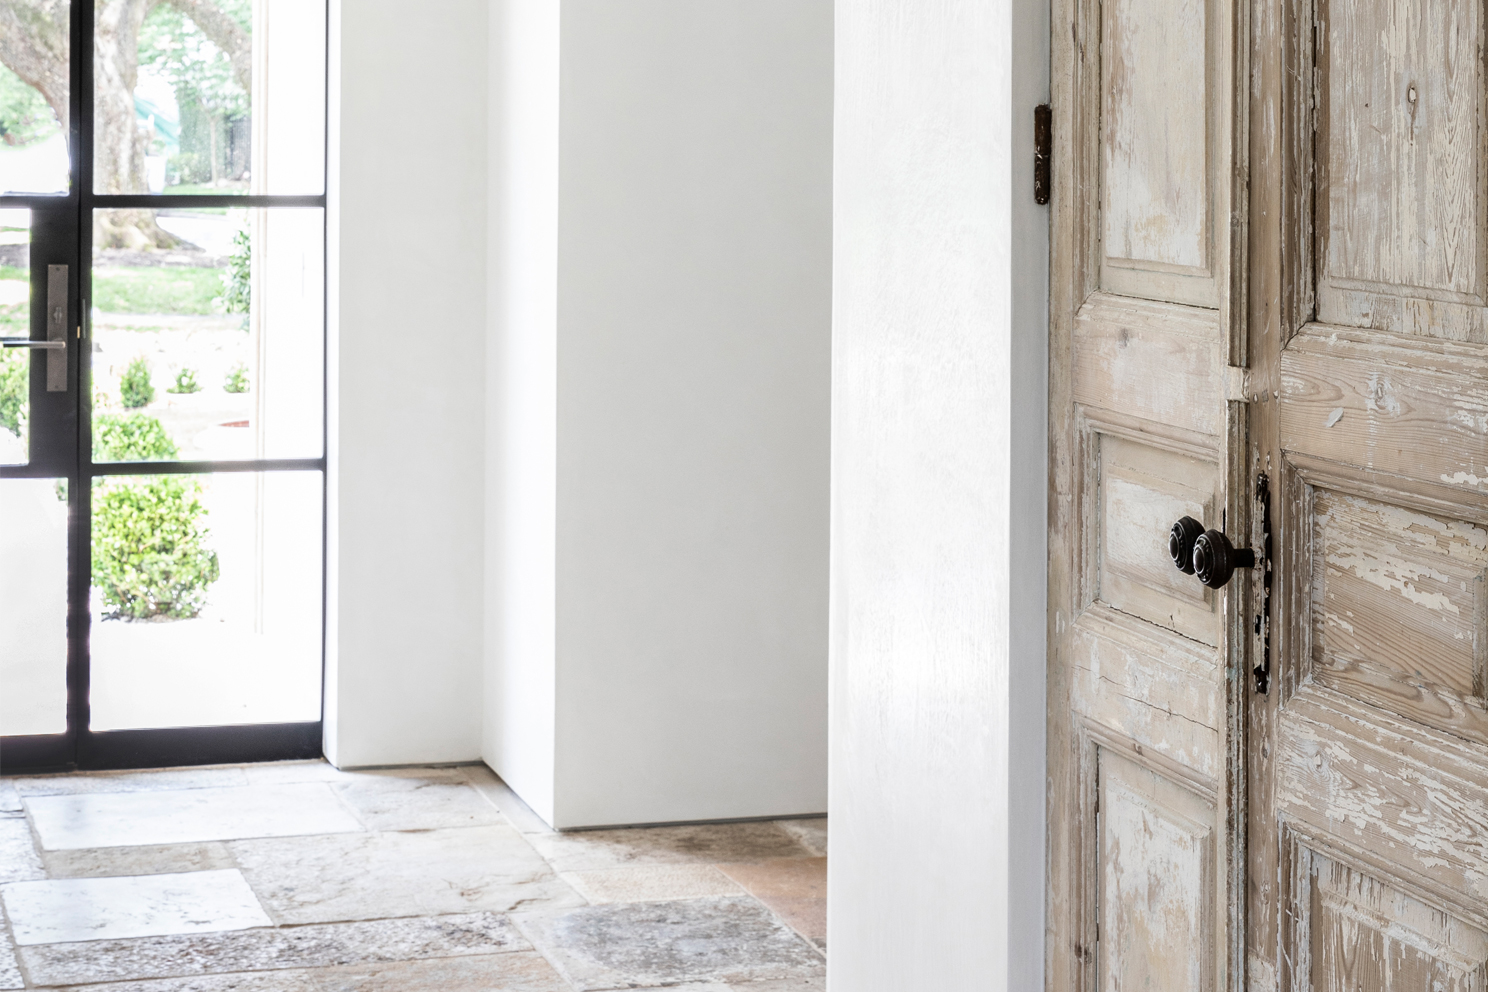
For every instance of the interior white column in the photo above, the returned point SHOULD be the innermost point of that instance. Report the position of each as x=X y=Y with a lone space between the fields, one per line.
x=406 y=274
x=657 y=427
x=939 y=483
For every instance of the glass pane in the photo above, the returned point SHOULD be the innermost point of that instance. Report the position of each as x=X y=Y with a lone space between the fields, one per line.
x=214 y=348
x=206 y=600
x=15 y=322
x=228 y=97
x=33 y=606
x=34 y=75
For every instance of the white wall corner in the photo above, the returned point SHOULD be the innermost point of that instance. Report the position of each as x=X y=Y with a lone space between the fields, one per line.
x=519 y=664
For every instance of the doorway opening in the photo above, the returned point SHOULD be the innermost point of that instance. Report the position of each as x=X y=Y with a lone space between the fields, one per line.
x=162 y=384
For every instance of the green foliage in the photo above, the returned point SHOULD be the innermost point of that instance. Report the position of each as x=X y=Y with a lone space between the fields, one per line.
x=135 y=388
x=236 y=278
x=25 y=116
x=208 y=93
x=237 y=379
x=15 y=389
x=150 y=554
x=185 y=382
x=131 y=437
x=172 y=289
x=15 y=317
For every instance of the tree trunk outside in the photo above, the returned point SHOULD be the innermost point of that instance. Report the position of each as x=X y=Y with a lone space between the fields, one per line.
x=34 y=45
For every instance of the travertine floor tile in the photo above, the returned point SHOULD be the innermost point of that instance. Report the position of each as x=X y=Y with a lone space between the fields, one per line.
x=651 y=883
x=519 y=972
x=795 y=888
x=185 y=816
x=811 y=833
x=75 y=909
x=703 y=844
x=10 y=972
x=419 y=799
x=289 y=772
x=411 y=938
x=132 y=781
x=369 y=876
x=98 y=862
x=630 y=945
x=258 y=981
x=815 y=983
x=500 y=795
x=19 y=861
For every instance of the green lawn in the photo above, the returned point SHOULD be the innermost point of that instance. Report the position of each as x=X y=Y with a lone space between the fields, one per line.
x=13 y=319
x=157 y=289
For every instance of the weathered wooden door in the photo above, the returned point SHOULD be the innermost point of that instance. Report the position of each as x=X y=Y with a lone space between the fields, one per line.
x=1269 y=312
x=1148 y=425
x=1368 y=820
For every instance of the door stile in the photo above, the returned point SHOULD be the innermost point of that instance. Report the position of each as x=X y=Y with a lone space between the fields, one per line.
x=1281 y=301
x=1070 y=948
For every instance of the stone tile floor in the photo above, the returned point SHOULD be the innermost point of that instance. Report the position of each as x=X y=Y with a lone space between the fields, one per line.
x=297 y=877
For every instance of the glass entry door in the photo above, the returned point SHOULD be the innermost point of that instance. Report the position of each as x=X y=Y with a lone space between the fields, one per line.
x=162 y=429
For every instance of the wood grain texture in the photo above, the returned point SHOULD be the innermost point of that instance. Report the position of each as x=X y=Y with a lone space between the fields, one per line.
x=1155 y=133
x=1365 y=933
x=1159 y=691
x=1399 y=610
x=1400 y=167
x=1411 y=797
x=1382 y=402
x=1156 y=361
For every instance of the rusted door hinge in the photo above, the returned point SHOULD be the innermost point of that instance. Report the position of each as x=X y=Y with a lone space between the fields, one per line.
x=1043 y=151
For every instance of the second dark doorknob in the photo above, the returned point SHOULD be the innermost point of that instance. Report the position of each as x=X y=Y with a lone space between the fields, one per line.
x=1215 y=558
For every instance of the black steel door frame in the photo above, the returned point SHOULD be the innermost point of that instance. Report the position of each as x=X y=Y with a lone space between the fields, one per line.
x=61 y=233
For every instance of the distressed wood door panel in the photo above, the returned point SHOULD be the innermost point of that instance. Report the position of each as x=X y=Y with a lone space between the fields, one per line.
x=1142 y=884
x=1156 y=879
x=1401 y=171
x=1157 y=136
x=1368 y=758
x=1360 y=929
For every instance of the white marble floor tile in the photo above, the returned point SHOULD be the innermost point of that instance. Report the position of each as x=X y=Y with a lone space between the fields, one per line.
x=74 y=909
x=10 y=799
x=18 y=859
x=188 y=816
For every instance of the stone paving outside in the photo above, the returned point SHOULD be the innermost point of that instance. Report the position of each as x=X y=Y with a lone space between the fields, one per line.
x=297 y=877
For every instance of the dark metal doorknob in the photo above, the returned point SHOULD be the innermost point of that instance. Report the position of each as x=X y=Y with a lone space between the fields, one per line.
x=1215 y=558
x=1207 y=554
x=1181 y=543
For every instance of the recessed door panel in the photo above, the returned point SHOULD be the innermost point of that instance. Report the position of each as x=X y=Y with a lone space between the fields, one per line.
x=1156 y=878
x=1399 y=609
x=1401 y=167
x=1357 y=930
x=1157 y=180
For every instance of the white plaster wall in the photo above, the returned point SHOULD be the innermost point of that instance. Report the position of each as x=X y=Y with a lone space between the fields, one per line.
x=658 y=442
x=939 y=371
x=522 y=402
x=407 y=277
x=694 y=261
